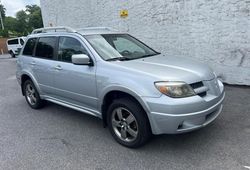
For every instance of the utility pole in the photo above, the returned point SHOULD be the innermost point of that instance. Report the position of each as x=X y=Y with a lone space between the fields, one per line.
x=1 y=17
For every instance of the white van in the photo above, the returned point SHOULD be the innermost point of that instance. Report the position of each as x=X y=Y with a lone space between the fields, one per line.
x=14 y=45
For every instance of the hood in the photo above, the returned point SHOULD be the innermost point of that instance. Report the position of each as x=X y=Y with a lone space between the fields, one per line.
x=166 y=68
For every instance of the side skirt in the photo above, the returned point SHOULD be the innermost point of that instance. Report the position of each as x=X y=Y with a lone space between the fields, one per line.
x=72 y=106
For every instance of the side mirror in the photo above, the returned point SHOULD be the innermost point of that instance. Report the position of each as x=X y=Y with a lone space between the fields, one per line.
x=81 y=59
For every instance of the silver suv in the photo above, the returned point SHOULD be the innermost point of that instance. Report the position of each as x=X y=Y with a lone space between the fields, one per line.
x=135 y=90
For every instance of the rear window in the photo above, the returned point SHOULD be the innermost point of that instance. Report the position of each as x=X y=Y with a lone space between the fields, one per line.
x=46 y=47
x=29 y=47
x=12 y=42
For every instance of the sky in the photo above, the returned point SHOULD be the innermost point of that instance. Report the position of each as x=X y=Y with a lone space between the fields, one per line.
x=12 y=6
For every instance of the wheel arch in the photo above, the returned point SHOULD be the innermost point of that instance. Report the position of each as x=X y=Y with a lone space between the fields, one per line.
x=117 y=93
x=26 y=76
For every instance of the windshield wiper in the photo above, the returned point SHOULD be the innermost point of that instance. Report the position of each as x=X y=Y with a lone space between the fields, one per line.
x=118 y=58
x=126 y=58
x=148 y=55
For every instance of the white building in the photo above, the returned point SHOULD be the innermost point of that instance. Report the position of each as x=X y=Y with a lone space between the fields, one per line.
x=214 y=31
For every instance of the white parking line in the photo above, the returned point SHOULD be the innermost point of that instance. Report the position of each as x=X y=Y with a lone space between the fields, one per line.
x=247 y=167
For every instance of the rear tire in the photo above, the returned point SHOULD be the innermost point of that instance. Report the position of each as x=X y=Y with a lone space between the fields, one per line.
x=32 y=96
x=12 y=54
x=128 y=123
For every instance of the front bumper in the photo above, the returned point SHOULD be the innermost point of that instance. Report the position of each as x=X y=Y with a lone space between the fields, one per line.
x=183 y=115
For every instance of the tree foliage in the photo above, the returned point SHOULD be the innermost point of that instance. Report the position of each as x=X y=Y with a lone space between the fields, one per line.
x=2 y=10
x=34 y=16
x=24 y=22
x=10 y=23
x=21 y=26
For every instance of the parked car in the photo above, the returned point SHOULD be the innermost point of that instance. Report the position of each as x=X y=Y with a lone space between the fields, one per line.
x=14 y=45
x=135 y=90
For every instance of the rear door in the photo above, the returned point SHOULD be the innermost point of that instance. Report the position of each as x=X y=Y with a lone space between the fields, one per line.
x=43 y=63
x=74 y=83
x=13 y=45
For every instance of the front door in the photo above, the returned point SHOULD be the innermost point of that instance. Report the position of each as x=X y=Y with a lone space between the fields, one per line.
x=75 y=84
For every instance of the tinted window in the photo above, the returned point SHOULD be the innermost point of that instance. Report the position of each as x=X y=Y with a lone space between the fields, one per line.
x=29 y=47
x=12 y=42
x=69 y=46
x=45 y=47
x=21 y=41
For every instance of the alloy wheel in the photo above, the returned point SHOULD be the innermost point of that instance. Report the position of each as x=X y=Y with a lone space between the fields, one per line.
x=124 y=124
x=31 y=94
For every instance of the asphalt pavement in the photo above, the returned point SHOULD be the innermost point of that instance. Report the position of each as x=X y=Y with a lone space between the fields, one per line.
x=56 y=137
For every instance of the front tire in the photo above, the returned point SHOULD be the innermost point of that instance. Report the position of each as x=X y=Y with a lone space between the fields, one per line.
x=128 y=123
x=31 y=95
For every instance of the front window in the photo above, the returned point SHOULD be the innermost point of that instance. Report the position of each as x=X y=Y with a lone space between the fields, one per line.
x=69 y=46
x=119 y=46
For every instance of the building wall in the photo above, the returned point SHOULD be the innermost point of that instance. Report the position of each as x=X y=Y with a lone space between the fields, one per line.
x=214 y=31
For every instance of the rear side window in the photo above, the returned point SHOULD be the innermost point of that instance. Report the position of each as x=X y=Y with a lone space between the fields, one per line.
x=69 y=46
x=21 y=41
x=46 y=47
x=12 y=42
x=29 y=47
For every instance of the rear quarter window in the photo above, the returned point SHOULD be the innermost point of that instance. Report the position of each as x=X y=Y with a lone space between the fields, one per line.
x=21 y=41
x=12 y=42
x=29 y=47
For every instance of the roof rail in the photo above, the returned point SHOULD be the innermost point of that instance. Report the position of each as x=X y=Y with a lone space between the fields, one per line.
x=96 y=28
x=55 y=29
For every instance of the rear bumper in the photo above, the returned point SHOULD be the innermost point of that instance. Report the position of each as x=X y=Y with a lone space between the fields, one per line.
x=185 y=115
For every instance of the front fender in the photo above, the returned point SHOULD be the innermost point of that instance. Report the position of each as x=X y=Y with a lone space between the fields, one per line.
x=117 y=87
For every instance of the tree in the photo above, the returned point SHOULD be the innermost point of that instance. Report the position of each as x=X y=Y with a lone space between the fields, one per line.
x=34 y=16
x=10 y=23
x=22 y=24
x=2 y=10
x=32 y=8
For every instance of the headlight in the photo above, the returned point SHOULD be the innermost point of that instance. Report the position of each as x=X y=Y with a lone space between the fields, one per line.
x=175 y=89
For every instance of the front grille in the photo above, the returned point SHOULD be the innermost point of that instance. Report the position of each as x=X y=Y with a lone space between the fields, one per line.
x=199 y=88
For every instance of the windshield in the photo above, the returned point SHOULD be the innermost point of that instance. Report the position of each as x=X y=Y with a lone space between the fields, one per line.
x=119 y=46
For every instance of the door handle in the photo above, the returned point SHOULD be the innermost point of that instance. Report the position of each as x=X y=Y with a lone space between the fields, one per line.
x=58 y=67
x=33 y=63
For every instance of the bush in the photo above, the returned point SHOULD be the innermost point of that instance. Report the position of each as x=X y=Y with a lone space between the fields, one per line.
x=4 y=33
